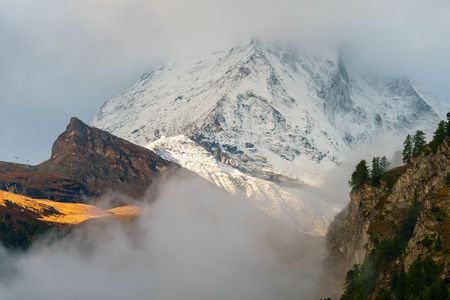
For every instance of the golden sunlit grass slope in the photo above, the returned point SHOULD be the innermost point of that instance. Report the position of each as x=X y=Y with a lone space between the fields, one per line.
x=125 y=212
x=60 y=213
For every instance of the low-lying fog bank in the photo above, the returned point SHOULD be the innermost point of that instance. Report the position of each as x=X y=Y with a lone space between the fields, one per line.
x=194 y=242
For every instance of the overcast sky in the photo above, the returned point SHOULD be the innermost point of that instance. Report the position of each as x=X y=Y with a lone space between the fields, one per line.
x=65 y=58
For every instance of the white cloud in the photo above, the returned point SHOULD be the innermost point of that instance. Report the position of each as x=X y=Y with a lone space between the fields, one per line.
x=194 y=242
x=64 y=58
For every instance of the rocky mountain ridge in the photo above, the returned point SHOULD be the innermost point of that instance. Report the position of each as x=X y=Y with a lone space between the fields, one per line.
x=273 y=113
x=293 y=211
x=86 y=163
x=375 y=214
x=269 y=111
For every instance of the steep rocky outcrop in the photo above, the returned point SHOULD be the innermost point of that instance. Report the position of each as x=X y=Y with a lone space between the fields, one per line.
x=103 y=162
x=87 y=161
x=375 y=214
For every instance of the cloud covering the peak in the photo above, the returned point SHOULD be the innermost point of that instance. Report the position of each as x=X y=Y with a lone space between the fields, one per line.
x=65 y=58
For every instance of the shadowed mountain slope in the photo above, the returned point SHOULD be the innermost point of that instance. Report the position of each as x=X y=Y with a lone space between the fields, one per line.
x=87 y=161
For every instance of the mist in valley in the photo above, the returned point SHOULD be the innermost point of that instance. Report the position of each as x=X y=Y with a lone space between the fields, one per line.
x=192 y=242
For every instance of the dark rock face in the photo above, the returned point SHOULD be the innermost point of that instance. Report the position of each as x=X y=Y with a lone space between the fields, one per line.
x=87 y=161
x=43 y=185
x=103 y=162
x=375 y=213
x=28 y=180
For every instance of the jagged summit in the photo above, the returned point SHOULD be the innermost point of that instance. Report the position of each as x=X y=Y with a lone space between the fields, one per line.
x=104 y=162
x=86 y=163
x=271 y=112
x=260 y=107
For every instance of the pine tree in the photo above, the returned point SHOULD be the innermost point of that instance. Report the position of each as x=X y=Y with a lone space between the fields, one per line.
x=352 y=282
x=376 y=171
x=384 y=163
x=447 y=180
x=439 y=135
x=438 y=244
x=379 y=167
x=438 y=290
x=384 y=295
x=430 y=271
x=448 y=124
x=418 y=142
x=400 y=286
x=360 y=175
x=407 y=149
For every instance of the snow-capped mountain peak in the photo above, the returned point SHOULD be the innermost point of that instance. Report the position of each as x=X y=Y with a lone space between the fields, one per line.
x=258 y=106
x=274 y=113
